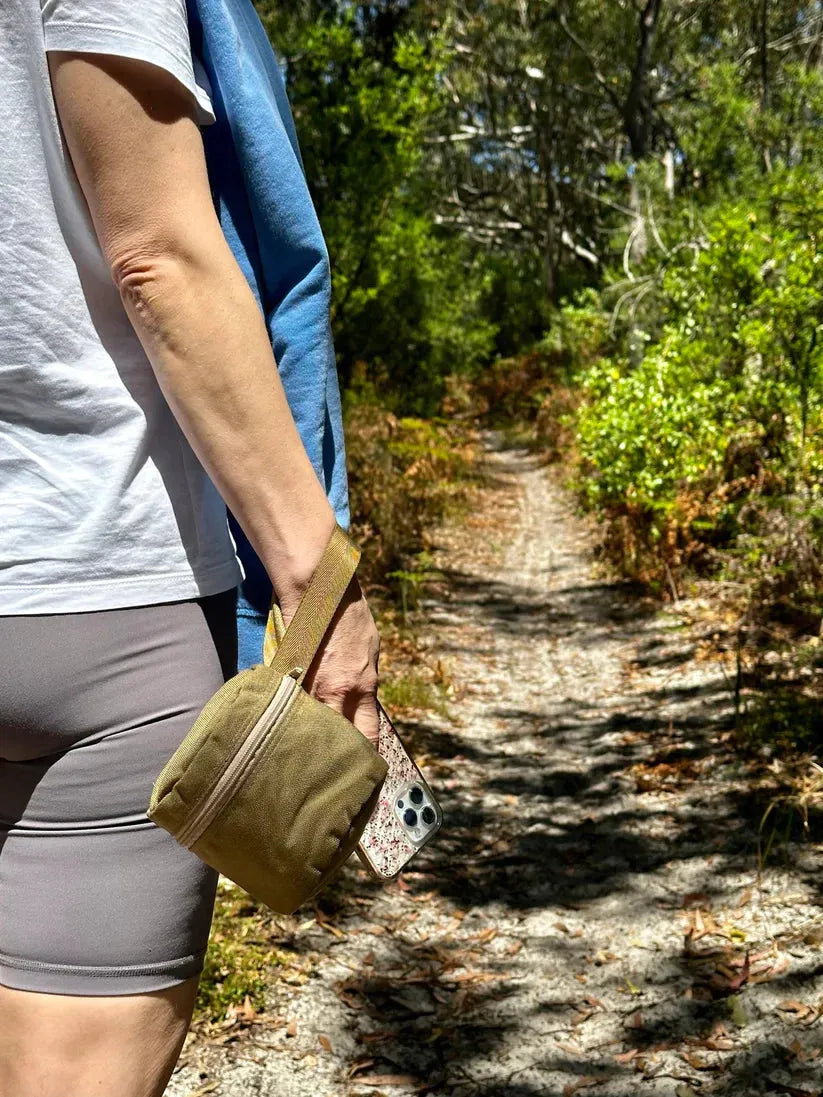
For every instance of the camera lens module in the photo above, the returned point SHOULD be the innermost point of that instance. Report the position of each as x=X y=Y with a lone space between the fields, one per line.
x=416 y=795
x=427 y=815
x=410 y=817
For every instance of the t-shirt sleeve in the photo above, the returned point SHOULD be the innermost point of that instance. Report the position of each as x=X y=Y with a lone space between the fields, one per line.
x=155 y=31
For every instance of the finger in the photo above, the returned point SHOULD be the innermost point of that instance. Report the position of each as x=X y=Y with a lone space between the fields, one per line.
x=365 y=719
x=359 y=707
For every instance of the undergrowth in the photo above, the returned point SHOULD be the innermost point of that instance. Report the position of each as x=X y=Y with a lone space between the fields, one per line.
x=405 y=476
x=239 y=959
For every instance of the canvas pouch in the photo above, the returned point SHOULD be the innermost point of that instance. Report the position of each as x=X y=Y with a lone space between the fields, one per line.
x=272 y=787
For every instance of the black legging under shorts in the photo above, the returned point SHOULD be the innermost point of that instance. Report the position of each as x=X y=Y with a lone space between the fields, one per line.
x=94 y=898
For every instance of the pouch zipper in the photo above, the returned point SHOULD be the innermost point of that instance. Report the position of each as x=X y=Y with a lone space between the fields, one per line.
x=235 y=771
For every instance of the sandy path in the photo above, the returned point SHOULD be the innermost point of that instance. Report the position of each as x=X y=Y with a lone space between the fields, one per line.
x=593 y=816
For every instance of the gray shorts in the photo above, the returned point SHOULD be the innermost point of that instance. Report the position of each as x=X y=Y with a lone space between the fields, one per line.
x=94 y=898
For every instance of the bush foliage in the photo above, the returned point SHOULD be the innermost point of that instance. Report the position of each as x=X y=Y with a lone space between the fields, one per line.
x=709 y=451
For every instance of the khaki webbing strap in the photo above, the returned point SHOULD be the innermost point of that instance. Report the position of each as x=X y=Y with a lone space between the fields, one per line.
x=275 y=631
x=299 y=643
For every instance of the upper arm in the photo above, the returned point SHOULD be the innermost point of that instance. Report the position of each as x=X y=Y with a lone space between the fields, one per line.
x=136 y=149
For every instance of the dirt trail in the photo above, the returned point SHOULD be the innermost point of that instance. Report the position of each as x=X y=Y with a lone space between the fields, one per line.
x=593 y=819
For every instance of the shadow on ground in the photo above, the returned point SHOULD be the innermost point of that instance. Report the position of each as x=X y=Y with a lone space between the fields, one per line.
x=628 y=804
x=580 y=835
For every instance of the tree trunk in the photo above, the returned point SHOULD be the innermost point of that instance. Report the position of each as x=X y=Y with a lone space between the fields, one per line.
x=765 y=91
x=668 y=168
x=636 y=109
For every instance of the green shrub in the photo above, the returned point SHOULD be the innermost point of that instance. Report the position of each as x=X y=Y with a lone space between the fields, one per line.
x=715 y=439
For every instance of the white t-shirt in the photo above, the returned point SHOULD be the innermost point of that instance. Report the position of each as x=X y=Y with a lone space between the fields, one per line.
x=102 y=500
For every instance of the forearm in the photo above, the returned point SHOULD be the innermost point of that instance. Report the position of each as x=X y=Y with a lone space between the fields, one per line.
x=207 y=342
x=139 y=158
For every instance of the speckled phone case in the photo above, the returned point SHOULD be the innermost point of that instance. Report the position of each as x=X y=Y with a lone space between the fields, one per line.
x=384 y=846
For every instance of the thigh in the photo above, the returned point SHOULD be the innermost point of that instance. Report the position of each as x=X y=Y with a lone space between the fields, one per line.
x=94 y=898
x=54 y=1044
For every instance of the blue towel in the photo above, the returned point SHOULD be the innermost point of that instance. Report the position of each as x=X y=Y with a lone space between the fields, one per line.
x=269 y=220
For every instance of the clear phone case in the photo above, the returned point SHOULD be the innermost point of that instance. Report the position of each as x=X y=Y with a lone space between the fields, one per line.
x=407 y=815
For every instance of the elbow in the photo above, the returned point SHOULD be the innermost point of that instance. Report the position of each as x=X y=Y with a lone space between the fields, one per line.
x=148 y=281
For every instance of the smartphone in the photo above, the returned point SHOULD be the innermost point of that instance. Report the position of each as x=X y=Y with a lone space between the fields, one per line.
x=407 y=815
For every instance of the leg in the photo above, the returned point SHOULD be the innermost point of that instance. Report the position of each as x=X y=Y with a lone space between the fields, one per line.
x=53 y=1044
x=104 y=918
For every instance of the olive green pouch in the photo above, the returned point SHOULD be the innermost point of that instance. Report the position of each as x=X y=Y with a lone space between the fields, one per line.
x=272 y=787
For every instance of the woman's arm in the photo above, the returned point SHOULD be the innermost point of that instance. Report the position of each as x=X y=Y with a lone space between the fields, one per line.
x=139 y=158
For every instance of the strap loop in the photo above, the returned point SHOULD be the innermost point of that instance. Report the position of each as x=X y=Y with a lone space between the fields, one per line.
x=291 y=650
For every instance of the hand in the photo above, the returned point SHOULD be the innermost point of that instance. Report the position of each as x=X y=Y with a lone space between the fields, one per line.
x=343 y=673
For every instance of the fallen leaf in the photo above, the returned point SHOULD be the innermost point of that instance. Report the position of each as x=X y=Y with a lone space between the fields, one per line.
x=719 y=1043
x=387 y=1080
x=582 y=1083
x=376 y=1037
x=804 y=1055
x=291 y=1028
x=324 y=1042
x=422 y=898
x=603 y=957
x=473 y=977
x=349 y=996
x=243 y=1014
x=737 y=981
x=791 y=1091
x=626 y=1056
x=697 y=1062
x=719 y=1039
x=798 y=1012
x=767 y=974
x=361 y=1064
x=484 y=935
x=332 y=929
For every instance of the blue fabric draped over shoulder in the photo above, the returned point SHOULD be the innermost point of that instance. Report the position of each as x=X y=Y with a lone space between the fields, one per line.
x=267 y=215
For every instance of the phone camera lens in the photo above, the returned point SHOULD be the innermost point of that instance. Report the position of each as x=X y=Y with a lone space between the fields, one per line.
x=410 y=817
x=416 y=795
x=427 y=815
x=400 y=803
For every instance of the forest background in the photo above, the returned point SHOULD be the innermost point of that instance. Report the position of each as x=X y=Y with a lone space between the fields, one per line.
x=598 y=225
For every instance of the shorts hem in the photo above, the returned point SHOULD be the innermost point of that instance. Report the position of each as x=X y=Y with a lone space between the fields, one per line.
x=93 y=981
